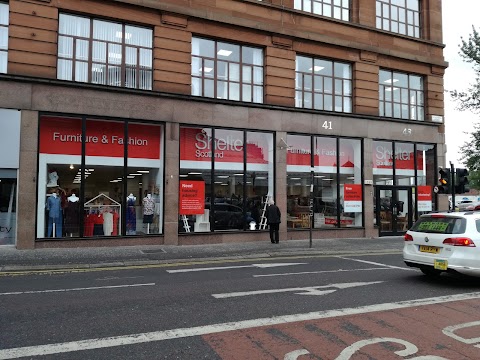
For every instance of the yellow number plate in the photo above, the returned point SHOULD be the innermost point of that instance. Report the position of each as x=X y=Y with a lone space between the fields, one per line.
x=429 y=249
x=440 y=264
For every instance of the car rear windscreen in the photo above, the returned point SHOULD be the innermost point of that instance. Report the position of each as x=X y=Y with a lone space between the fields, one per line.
x=440 y=225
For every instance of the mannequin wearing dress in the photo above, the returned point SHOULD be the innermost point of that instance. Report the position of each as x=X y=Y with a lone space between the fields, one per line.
x=148 y=210
x=131 y=215
x=72 y=213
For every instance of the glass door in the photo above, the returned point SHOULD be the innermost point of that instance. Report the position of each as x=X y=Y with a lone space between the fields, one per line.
x=393 y=207
x=8 y=212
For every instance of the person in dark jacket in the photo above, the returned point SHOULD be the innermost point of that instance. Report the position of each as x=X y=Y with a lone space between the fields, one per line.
x=273 y=220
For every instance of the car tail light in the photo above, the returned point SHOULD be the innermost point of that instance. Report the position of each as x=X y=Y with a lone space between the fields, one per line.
x=408 y=237
x=437 y=216
x=459 y=241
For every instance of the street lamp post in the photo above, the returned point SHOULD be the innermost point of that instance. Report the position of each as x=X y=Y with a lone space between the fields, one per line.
x=310 y=215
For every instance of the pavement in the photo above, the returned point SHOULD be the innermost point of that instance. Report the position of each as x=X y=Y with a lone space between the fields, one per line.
x=12 y=260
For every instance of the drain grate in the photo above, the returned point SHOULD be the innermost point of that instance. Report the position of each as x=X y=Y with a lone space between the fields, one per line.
x=153 y=251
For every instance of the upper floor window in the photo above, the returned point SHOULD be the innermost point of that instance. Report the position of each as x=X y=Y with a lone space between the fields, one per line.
x=227 y=71
x=401 y=95
x=337 y=9
x=3 y=37
x=104 y=52
x=323 y=84
x=399 y=16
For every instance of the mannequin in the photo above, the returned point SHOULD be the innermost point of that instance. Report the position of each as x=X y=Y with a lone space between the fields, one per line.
x=54 y=208
x=72 y=213
x=131 y=215
x=52 y=179
x=148 y=210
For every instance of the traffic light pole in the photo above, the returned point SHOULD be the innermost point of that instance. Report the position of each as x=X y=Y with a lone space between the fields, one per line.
x=452 y=182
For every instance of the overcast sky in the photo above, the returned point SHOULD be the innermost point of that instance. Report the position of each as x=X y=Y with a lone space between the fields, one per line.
x=458 y=18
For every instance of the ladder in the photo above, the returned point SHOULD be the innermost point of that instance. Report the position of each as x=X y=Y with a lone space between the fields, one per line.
x=263 y=218
x=185 y=223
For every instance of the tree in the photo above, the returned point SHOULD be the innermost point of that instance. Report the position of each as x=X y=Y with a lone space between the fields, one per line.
x=470 y=53
x=470 y=100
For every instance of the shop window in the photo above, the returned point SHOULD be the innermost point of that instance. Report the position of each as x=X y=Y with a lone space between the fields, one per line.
x=326 y=206
x=227 y=71
x=104 y=52
x=399 y=16
x=299 y=160
x=323 y=85
x=337 y=9
x=8 y=206
x=337 y=197
x=4 y=16
x=351 y=189
x=92 y=193
x=401 y=96
x=228 y=193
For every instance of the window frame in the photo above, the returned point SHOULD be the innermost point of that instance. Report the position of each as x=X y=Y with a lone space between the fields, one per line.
x=394 y=24
x=198 y=76
x=301 y=95
x=3 y=69
x=325 y=6
x=108 y=61
x=388 y=108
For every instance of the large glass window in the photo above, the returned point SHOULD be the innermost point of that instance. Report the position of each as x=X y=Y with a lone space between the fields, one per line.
x=227 y=71
x=242 y=179
x=337 y=9
x=84 y=187
x=3 y=37
x=399 y=16
x=401 y=95
x=337 y=182
x=104 y=52
x=323 y=85
x=8 y=206
x=413 y=166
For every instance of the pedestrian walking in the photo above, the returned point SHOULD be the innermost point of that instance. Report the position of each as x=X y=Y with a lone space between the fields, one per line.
x=273 y=220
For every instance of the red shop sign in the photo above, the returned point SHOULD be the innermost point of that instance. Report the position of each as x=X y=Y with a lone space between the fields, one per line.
x=197 y=145
x=324 y=156
x=424 y=193
x=404 y=159
x=192 y=197
x=103 y=138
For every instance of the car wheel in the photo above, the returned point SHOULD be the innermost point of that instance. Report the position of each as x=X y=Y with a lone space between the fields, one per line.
x=431 y=272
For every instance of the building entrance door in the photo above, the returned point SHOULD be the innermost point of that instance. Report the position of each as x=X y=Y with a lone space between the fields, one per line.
x=8 y=212
x=393 y=207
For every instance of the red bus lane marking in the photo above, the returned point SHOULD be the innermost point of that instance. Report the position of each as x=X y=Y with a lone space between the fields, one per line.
x=440 y=331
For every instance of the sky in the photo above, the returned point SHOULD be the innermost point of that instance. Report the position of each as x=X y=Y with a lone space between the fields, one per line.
x=458 y=18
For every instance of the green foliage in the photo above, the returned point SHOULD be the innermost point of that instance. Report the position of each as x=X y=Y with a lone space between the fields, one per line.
x=470 y=53
x=470 y=100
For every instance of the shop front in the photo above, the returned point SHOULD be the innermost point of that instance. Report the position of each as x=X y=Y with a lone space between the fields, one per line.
x=404 y=176
x=99 y=178
x=9 y=165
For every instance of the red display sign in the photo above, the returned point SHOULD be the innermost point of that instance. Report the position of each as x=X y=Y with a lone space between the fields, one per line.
x=102 y=138
x=424 y=193
x=192 y=197
x=197 y=145
x=352 y=192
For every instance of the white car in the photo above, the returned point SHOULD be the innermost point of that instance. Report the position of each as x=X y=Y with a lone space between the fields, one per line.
x=446 y=241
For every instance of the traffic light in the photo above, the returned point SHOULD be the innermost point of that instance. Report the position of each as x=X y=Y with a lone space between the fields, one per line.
x=461 y=181
x=444 y=182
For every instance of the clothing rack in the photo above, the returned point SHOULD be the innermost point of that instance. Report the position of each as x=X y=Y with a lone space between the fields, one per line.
x=114 y=204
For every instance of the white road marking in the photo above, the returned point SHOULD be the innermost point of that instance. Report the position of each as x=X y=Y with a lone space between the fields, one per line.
x=90 y=344
x=308 y=290
x=74 y=289
x=262 y=266
x=322 y=271
x=379 y=264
